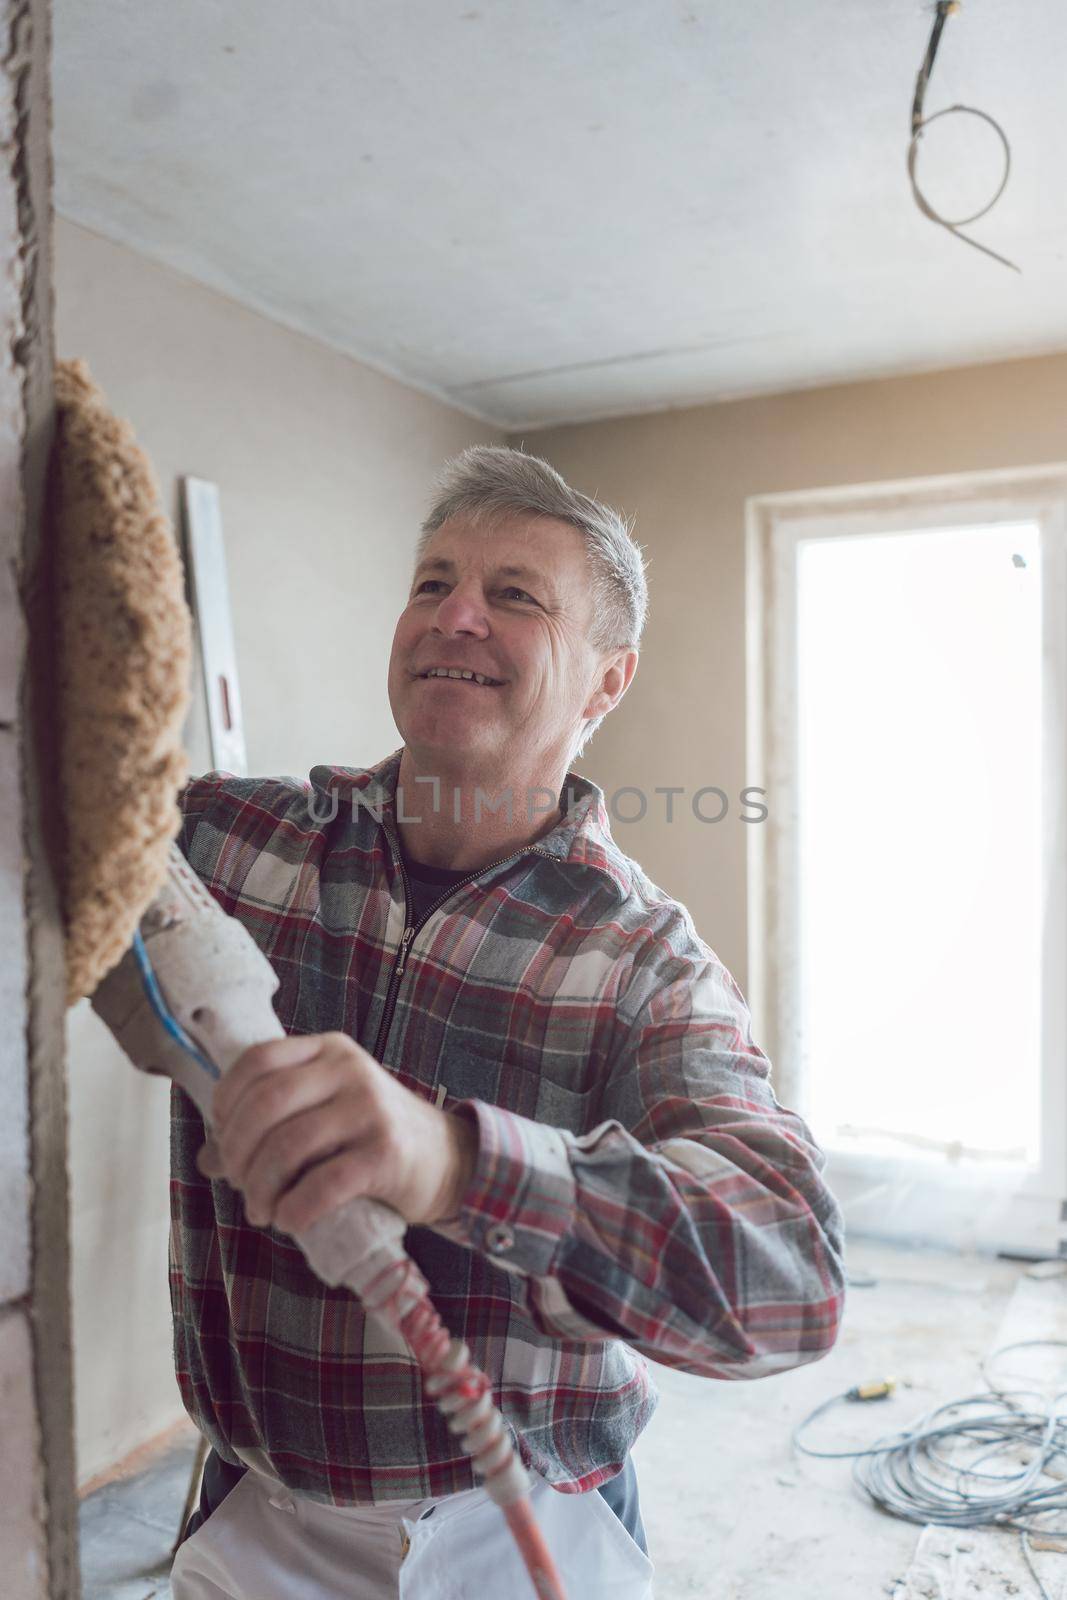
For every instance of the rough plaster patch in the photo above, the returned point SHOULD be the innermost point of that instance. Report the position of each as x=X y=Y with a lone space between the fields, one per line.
x=13 y=203
x=21 y=1535
x=14 y=1135
x=12 y=640
x=26 y=360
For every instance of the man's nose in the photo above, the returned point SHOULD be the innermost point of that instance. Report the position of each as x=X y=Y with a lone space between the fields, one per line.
x=462 y=610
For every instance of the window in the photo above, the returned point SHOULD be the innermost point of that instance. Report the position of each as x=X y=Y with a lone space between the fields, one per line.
x=908 y=891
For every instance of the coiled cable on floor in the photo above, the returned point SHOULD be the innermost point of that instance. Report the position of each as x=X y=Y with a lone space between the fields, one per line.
x=916 y=1473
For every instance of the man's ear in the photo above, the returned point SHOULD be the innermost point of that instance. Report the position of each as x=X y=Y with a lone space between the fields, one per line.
x=614 y=676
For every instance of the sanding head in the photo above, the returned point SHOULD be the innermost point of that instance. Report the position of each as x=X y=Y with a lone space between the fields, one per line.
x=125 y=650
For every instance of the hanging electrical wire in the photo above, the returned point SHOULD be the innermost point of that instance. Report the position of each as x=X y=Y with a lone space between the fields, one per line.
x=945 y=9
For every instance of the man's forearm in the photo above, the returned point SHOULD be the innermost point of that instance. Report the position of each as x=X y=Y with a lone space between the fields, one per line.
x=719 y=1255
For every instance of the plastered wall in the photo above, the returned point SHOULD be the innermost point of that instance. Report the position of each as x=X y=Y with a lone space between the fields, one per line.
x=685 y=475
x=37 y=1505
x=323 y=469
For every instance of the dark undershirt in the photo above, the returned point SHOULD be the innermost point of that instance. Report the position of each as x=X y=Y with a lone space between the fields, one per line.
x=428 y=884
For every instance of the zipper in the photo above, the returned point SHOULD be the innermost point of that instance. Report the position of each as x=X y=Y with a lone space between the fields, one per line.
x=411 y=929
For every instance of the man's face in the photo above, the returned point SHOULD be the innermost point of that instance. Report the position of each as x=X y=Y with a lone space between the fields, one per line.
x=513 y=603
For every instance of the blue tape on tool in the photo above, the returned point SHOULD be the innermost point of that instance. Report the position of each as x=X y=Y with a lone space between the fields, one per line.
x=157 y=1001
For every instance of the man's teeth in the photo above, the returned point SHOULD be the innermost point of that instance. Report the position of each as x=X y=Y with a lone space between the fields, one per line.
x=457 y=672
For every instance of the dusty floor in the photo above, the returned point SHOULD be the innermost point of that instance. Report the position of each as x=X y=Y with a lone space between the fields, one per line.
x=129 y=1527
x=730 y=1511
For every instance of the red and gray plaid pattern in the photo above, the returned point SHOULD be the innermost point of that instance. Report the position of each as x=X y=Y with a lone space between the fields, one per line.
x=639 y=1192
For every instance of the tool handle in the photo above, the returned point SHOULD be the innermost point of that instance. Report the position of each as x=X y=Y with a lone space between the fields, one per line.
x=215 y=990
x=195 y=993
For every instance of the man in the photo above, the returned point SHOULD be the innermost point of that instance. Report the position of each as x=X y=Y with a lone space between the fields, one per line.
x=498 y=1026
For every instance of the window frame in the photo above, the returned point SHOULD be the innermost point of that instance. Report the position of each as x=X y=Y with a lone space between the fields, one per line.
x=907 y=1198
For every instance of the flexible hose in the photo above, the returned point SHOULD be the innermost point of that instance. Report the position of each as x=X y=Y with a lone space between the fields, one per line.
x=399 y=1296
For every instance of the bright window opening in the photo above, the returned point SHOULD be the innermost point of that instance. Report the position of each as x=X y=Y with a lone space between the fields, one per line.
x=919 y=794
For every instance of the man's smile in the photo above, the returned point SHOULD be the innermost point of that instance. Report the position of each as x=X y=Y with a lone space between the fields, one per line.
x=459 y=675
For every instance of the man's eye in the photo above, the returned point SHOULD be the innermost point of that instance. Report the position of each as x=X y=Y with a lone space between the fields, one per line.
x=521 y=592
x=427 y=582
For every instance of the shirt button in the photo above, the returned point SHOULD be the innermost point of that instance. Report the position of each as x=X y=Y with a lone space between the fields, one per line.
x=499 y=1238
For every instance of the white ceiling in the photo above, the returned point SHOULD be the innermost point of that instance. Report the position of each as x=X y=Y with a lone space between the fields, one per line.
x=549 y=210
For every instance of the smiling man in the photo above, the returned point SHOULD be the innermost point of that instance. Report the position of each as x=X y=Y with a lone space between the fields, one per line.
x=500 y=1027
x=495 y=670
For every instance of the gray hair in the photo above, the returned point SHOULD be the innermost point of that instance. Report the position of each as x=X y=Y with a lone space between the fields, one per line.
x=493 y=482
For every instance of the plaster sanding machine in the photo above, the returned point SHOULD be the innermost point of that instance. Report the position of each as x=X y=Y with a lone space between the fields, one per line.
x=181 y=985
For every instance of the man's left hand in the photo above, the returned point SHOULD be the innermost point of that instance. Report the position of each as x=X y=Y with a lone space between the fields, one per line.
x=303 y=1124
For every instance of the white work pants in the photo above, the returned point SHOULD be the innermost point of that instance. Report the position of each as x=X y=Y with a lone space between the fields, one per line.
x=263 y=1543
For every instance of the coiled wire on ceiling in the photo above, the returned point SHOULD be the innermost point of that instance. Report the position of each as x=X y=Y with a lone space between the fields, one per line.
x=919 y=122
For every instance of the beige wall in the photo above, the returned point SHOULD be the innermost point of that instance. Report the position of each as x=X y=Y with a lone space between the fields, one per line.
x=323 y=469
x=686 y=476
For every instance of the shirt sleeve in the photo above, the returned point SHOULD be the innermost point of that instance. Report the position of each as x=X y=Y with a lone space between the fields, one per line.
x=693 y=1221
x=194 y=802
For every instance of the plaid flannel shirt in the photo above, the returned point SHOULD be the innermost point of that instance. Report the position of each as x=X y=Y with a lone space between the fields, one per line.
x=638 y=1191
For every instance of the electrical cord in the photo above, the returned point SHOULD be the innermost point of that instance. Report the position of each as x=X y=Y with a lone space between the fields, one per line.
x=908 y=1475
x=945 y=9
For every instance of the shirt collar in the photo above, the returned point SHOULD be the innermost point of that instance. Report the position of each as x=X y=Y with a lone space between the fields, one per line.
x=581 y=838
